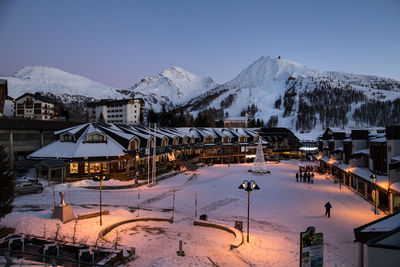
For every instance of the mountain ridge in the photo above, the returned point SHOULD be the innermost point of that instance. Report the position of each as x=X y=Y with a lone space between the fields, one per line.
x=276 y=90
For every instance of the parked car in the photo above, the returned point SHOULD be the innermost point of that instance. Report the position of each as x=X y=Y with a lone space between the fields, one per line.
x=28 y=187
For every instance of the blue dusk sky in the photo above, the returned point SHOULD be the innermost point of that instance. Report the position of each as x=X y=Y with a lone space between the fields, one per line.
x=120 y=42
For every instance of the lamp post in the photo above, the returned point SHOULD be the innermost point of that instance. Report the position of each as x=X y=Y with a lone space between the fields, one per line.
x=248 y=186
x=373 y=176
x=100 y=178
x=340 y=174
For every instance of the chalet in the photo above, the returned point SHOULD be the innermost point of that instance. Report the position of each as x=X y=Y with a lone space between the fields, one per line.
x=36 y=107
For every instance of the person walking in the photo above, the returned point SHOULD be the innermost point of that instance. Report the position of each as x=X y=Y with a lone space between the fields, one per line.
x=328 y=207
x=308 y=178
x=312 y=177
x=301 y=176
x=297 y=176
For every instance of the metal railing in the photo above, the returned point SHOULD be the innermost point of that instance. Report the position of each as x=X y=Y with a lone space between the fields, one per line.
x=53 y=260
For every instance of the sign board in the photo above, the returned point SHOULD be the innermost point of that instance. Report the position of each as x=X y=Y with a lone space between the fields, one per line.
x=147 y=151
x=311 y=248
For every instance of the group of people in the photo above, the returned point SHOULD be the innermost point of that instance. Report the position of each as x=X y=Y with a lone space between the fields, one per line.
x=305 y=177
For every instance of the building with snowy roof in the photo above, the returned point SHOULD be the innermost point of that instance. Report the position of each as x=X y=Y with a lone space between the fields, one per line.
x=365 y=154
x=381 y=241
x=121 y=150
x=37 y=107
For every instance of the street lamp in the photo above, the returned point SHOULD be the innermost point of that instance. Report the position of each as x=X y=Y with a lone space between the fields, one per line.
x=340 y=174
x=373 y=176
x=248 y=187
x=100 y=178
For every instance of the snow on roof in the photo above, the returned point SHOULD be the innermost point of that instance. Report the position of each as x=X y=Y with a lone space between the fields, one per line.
x=228 y=132
x=236 y=119
x=362 y=151
x=386 y=225
x=240 y=132
x=397 y=158
x=135 y=132
x=92 y=129
x=379 y=140
x=250 y=132
x=395 y=186
x=118 y=132
x=167 y=133
x=79 y=149
x=381 y=180
x=71 y=130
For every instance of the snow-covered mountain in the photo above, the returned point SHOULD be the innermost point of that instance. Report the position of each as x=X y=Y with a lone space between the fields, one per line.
x=173 y=86
x=275 y=90
x=57 y=82
x=292 y=95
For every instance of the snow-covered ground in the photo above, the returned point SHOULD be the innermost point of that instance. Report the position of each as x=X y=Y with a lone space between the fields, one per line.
x=279 y=212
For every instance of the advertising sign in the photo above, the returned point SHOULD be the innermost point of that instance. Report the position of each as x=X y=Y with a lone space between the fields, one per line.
x=311 y=248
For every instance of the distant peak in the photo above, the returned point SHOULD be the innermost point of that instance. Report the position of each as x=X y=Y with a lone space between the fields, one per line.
x=175 y=69
x=268 y=68
x=38 y=70
x=176 y=72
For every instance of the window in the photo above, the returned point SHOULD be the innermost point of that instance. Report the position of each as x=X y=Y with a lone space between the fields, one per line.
x=95 y=138
x=67 y=138
x=164 y=142
x=208 y=139
x=95 y=167
x=73 y=168
x=176 y=141
x=134 y=144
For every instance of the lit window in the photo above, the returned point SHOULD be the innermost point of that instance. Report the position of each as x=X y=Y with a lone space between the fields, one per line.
x=73 y=168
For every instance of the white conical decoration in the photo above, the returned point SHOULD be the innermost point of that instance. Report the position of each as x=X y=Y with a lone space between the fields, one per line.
x=259 y=162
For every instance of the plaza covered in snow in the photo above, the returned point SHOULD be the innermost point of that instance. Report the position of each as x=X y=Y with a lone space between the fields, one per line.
x=279 y=211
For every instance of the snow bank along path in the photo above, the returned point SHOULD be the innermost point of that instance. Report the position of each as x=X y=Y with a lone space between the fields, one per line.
x=238 y=235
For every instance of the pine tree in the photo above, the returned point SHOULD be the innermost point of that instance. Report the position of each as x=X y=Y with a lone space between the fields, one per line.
x=7 y=185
